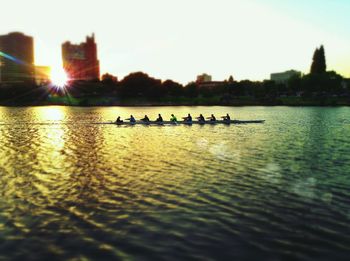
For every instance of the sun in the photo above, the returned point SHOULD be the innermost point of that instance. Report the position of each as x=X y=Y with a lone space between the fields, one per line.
x=58 y=77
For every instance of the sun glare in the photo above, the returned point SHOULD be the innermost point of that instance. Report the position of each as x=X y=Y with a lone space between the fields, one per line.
x=58 y=77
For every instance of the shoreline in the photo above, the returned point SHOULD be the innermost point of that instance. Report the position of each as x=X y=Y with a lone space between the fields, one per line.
x=174 y=105
x=180 y=101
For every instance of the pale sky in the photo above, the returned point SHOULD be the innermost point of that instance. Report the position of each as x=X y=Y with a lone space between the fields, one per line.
x=179 y=39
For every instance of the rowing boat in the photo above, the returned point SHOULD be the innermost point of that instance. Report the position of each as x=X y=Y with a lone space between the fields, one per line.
x=187 y=122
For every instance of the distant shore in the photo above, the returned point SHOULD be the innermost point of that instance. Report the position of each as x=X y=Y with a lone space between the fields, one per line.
x=184 y=101
x=139 y=89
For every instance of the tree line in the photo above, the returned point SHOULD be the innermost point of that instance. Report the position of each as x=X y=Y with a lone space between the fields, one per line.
x=139 y=85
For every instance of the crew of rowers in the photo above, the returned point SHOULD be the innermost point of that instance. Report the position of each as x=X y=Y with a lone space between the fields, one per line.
x=173 y=118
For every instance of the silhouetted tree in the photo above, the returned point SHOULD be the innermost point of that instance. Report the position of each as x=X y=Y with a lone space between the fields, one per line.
x=241 y=88
x=109 y=79
x=294 y=84
x=326 y=83
x=172 y=88
x=191 y=90
x=318 y=65
x=140 y=84
x=110 y=86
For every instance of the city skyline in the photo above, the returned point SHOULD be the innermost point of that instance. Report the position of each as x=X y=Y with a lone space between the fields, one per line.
x=80 y=61
x=181 y=40
x=17 y=58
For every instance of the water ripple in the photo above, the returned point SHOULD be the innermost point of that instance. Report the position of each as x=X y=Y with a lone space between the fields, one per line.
x=72 y=189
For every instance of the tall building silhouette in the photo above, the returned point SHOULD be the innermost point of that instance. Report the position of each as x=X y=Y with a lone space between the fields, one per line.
x=80 y=60
x=16 y=58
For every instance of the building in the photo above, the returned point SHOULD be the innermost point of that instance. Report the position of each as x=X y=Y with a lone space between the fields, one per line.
x=203 y=78
x=42 y=74
x=211 y=84
x=16 y=58
x=80 y=60
x=205 y=81
x=283 y=77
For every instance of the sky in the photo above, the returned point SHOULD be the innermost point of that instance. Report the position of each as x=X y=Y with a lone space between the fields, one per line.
x=180 y=39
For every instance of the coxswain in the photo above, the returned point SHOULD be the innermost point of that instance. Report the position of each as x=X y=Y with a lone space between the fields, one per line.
x=201 y=118
x=173 y=118
x=188 y=118
x=118 y=120
x=131 y=119
x=160 y=118
x=145 y=119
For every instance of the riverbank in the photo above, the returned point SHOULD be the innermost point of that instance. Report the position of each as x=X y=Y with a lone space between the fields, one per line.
x=185 y=101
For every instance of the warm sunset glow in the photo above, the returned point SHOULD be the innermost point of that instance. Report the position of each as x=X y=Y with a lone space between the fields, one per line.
x=52 y=113
x=58 y=77
x=246 y=39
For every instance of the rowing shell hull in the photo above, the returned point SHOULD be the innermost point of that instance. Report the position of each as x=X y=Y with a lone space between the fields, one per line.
x=187 y=123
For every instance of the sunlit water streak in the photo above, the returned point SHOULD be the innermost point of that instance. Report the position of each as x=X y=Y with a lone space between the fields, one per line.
x=72 y=189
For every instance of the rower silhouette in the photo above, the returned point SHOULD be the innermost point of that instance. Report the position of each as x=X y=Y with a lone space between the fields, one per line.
x=188 y=118
x=201 y=118
x=131 y=119
x=118 y=120
x=160 y=118
x=145 y=119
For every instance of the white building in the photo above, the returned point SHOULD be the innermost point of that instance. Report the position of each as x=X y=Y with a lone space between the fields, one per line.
x=283 y=77
x=203 y=78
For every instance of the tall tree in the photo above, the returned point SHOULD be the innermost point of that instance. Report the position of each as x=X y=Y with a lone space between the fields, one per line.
x=322 y=59
x=318 y=65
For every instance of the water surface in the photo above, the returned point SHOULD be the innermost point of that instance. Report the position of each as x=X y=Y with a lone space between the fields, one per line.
x=74 y=189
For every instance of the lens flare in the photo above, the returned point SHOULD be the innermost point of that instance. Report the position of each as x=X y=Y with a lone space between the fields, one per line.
x=59 y=77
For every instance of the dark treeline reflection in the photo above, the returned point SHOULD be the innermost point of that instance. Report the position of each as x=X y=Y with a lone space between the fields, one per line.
x=318 y=88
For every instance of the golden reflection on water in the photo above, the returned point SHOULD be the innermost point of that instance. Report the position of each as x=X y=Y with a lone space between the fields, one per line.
x=51 y=142
x=51 y=113
x=51 y=153
x=65 y=177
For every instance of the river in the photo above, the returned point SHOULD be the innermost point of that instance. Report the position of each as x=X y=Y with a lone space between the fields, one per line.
x=75 y=189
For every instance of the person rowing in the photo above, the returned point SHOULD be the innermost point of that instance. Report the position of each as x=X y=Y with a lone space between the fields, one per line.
x=173 y=118
x=118 y=120
x=212 y=118
x=201 y=118
x=188 y=118
x=160 y=118
x=131 y=119
x=145 y=119
x=226 y=118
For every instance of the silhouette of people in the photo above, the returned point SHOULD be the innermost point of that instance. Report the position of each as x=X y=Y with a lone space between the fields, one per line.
x=145 y=119
x=212 y=118
x=173 y=118
x=160 y=118
x=188 y=118
x=226 y=118
x=119 y=120
x=131 y=119
x=201 y=118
